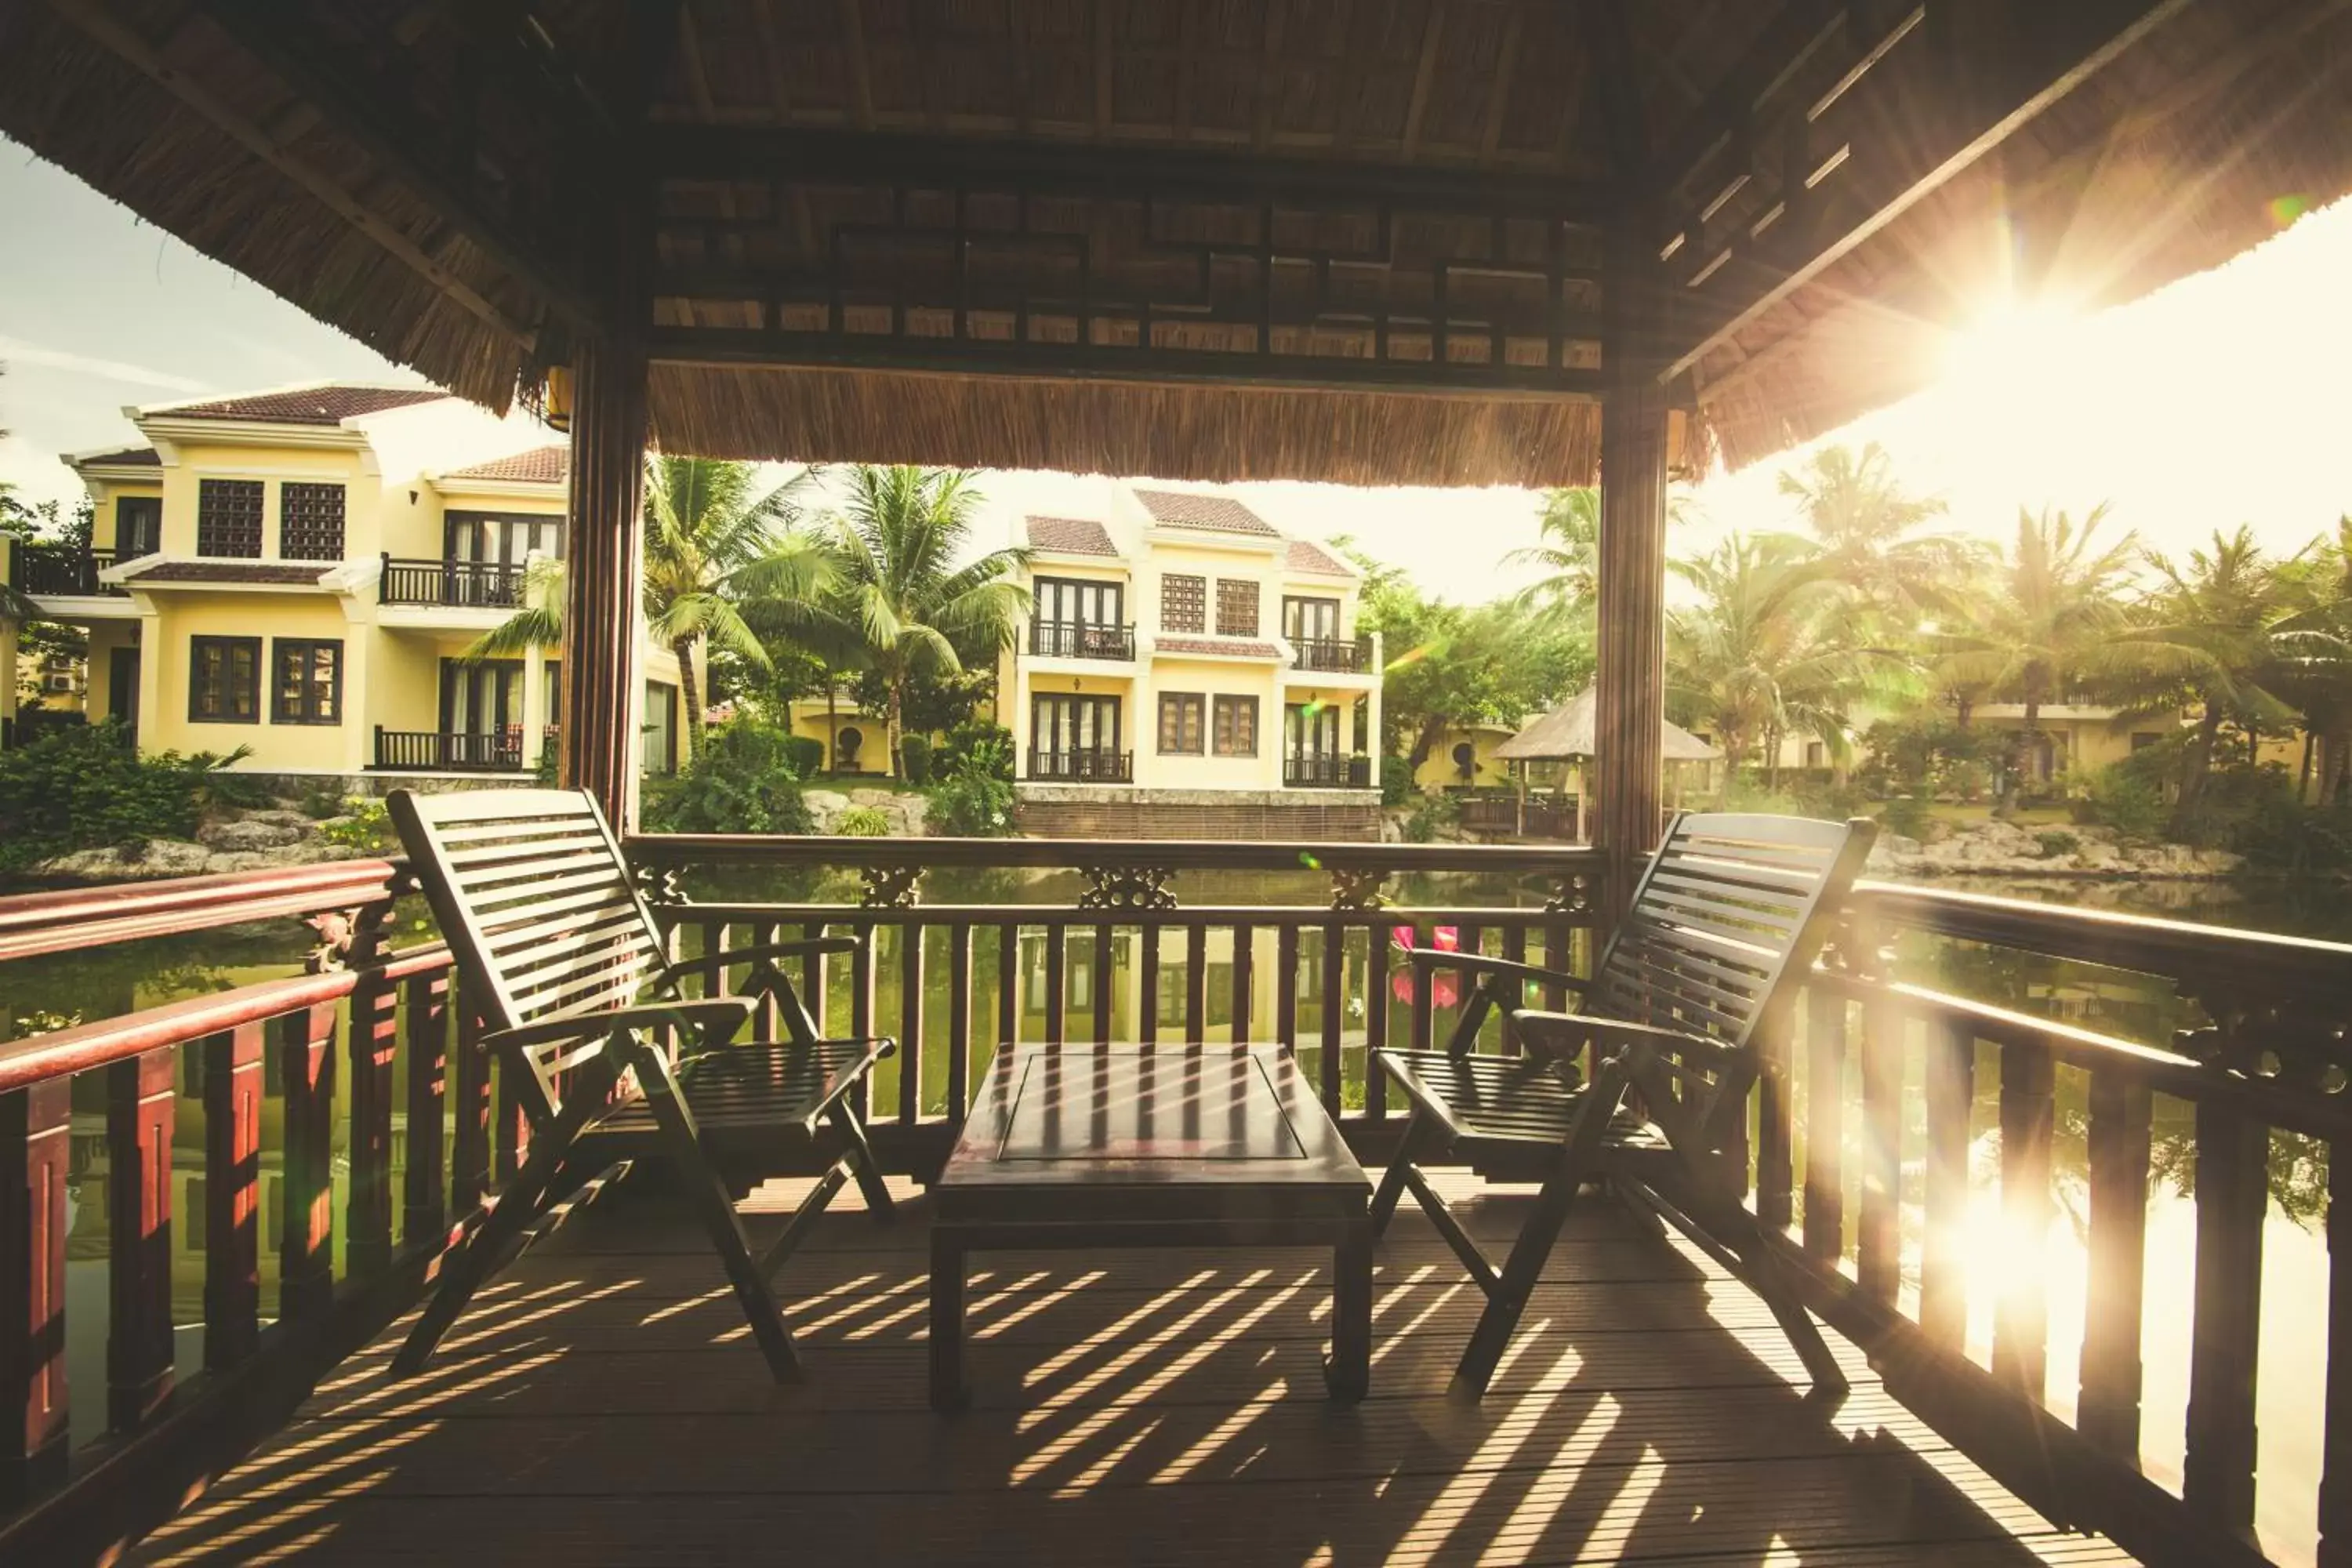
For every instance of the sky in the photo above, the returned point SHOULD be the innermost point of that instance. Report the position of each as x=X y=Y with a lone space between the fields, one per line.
x=2223 y=399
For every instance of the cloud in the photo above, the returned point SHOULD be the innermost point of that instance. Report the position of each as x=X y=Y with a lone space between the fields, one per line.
x=13 y=352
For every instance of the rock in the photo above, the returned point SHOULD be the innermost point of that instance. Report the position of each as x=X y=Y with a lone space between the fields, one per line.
x=278 y=816
x=158 y=858
x=284 y=855
x=879 y=799
x=249 y=834
x=914 y=810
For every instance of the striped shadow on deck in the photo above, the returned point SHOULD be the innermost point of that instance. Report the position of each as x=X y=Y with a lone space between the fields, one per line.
x=602 y=1405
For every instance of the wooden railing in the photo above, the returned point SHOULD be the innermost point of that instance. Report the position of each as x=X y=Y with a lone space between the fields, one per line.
x=1082 y=640
x=1082 y=767
x=1530 y=819
x=1307 y=771
x=1332 y=655
x=492 y=751
x=1886 y=1090
x=407 y=1170
x=61 y=571
x=469 y=584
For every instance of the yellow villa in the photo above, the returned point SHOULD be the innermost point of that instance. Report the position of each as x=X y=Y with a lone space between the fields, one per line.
x=299 y=572
x=1189 y=670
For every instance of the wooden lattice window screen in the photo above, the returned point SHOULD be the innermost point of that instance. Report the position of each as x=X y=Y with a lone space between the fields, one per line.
x=1236 y=607
x=1183 y=604
x=228 y=517
x=311 y=522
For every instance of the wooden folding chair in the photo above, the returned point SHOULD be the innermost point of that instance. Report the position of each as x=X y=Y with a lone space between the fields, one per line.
x=1723 y=925
x=565 y=961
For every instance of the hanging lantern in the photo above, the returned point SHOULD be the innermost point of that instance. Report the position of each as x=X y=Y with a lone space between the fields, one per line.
x=555 y=398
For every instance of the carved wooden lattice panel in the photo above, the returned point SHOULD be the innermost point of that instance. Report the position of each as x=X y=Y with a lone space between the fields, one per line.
x=228 y=517
x=1236 y=607
x=310 y=521
x=1183 y=603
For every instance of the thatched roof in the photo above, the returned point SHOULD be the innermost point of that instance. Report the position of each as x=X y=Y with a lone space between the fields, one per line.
x=1368 y=250
x=1566 y=733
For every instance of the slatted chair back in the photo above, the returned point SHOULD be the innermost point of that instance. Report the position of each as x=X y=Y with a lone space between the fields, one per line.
x=1728 y=908
x=536 y=900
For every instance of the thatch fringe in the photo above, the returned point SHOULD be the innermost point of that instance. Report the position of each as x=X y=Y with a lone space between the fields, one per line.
x=86 y=111
x=1221 y=433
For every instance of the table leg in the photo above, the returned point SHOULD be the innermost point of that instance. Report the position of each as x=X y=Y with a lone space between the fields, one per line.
x=1349 y=1373
x=947 y=1321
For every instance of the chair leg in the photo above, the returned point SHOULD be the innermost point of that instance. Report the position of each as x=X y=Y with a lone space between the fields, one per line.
x=1517 y=1282
x=527 y=1197
x=1737 y=1229
x=862 y=1163
x=1392 y=1188
x=707 y=1194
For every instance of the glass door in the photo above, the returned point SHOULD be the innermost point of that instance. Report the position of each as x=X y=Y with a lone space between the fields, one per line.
x=1074 y=736
x=1311 y=620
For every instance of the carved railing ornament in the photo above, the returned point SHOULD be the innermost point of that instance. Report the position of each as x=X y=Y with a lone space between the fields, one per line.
x=2299 y=1043
x=1858 y=948
x=660 y=884
x=890 y=887
x=1359 y=888
x=1133 y=887
x=348 y=939
x=1572 y=897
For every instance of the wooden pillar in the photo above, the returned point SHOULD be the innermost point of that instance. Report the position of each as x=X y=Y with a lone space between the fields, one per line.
x=1630 y=709
x=603 y=690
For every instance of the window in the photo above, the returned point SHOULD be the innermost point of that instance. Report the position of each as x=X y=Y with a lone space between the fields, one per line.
x=1180 y=724
x=310 y=521
x=2143 y=738
x=138 y=526
x=1310 y=620
x=1183 y=604
x=661 y=727
x=225 y=680
x=1236 y=727
x=1064 y=601
x=1816 y=755
x=306 y=681
x=507 y=541
x=1073 y=736
x=1236 y=607
x=228 y=517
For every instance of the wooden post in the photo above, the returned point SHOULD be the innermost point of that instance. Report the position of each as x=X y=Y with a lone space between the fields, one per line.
x=139 y=1117
x=603 y=690
x=35 y=1174
x=1630 y=708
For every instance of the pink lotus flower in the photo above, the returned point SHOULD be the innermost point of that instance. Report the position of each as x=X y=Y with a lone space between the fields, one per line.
x=1445 y=984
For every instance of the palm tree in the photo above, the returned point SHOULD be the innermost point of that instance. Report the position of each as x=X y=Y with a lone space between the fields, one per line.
x=2315 y=671
x=1773 y=646
x=1858 y=509
x=2232 y=603
x=713 y=538
x=1567 y=550
x=895 y=549
x=2056 y=620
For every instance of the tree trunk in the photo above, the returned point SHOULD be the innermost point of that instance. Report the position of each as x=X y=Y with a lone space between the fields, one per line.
x=2303 y=779
x=2020 y=755
x=832 y=721
x=1964 y=710
x=687 y=692
x=891 y=724
x=2195 y=767
x=1425 y=740
x=1772 y=757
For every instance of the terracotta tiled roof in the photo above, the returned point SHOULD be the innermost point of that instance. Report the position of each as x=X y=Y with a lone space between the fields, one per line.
x=1183 y=509
x=1224 y=645
x=540 y=466
x=141 y=456
x=268 y=573
x=308 y=404
x=1070 y=536
x=1309 y=557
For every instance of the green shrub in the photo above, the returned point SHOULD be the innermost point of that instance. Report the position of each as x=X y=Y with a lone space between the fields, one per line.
x=807 y=754
x=863 y=822
x=741 y=779
x=1436 y=814
x=1906 y=815
x=2054 y=842
x=1396 y=781
x=973 y=735
x=2281 y=834
x=367 y=828
x=87 y=788
x=975 y=800
x=915 y=759
x=2122 y=797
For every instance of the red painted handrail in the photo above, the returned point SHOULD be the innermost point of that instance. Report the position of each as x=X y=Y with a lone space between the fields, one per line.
x=32 y=924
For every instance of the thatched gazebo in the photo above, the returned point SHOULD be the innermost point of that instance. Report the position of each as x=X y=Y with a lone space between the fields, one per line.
x=1569 y=735
x=1410 y=241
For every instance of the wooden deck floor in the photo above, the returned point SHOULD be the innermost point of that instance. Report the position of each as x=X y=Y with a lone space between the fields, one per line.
x=602 y=1404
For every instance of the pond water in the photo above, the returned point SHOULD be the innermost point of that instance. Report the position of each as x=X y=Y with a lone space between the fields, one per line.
x=2294 y=1285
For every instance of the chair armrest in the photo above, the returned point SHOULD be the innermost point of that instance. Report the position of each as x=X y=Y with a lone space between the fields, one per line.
x=1580 y=1026
x=728 y=957
x=1501 y=968
x=701 y=1012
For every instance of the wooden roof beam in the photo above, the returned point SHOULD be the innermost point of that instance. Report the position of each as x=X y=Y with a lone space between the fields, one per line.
x=693 y=151
x=278 y=35
x=1755 y=278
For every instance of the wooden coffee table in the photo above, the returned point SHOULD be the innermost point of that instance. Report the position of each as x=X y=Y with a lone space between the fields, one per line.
x=1166 y=1145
